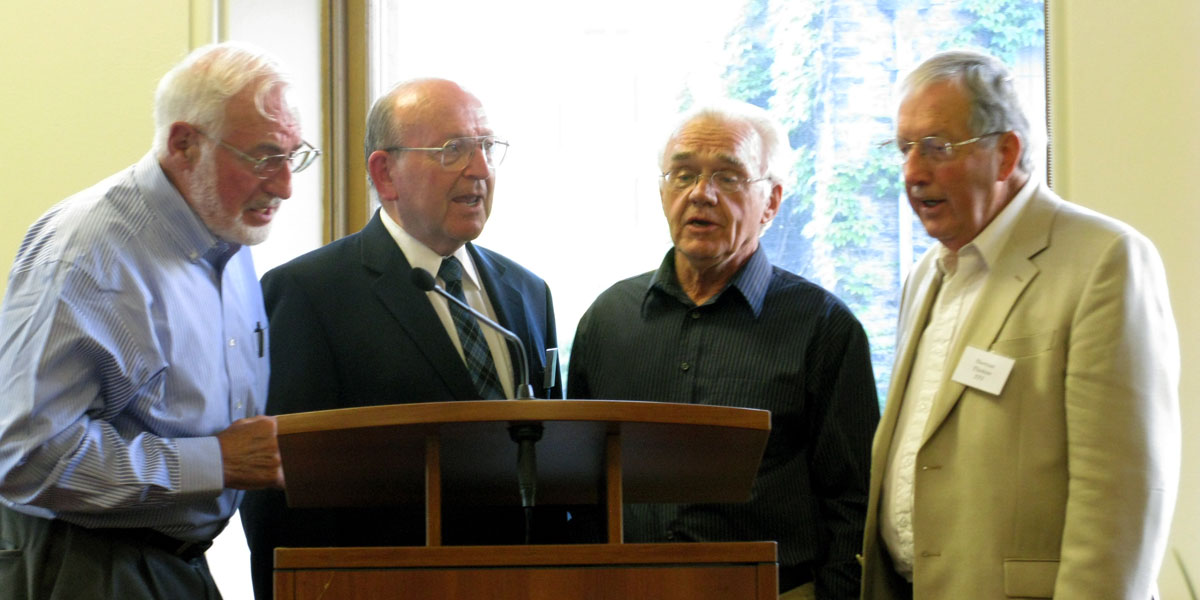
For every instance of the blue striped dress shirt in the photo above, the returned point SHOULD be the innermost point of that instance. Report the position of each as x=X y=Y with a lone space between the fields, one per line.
x=129 y=337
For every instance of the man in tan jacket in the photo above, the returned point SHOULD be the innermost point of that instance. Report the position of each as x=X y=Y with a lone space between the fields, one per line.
x=1029 y=447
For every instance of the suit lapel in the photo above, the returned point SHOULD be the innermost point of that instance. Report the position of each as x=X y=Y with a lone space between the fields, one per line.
x=925 y=281
x=411 y=309
x=1012 y=273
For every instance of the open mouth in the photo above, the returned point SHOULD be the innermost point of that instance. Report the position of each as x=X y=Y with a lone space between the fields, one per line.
x=469 y=200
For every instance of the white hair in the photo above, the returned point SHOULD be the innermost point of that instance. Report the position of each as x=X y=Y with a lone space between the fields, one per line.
x=197 y=89
x=990 y=89
x=770 y=133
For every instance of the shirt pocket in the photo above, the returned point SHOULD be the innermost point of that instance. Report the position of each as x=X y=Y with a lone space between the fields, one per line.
x=785 y=401
x=1025 y=345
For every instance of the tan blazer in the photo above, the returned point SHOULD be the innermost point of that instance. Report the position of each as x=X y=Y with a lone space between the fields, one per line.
x=1062 y=485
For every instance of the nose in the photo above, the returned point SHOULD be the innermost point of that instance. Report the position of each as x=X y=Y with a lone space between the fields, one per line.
x=703 y=191
x=477 y=166
x=915 y=169
x=279 y=184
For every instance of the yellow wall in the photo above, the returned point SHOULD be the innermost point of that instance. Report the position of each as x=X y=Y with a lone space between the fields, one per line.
x=1126 y=102
x=76 y=95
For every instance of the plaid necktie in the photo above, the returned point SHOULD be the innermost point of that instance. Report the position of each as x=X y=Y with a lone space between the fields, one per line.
x=475 y=348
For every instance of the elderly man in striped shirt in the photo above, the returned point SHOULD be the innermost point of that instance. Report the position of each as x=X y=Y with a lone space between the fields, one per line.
x=132 y=348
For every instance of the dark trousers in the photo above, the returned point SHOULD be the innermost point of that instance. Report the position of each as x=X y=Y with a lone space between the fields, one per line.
x=43 y=559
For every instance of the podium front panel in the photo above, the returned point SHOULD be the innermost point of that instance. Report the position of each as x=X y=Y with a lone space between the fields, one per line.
x=375 y=456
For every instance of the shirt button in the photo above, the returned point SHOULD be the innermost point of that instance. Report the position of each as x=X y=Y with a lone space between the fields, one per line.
x=232 y=342
x=695 y=314
x=684 y=366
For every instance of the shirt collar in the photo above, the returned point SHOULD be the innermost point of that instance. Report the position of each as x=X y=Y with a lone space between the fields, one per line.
x=182 y=224
x=751 y=282
x=990 y=242
x=421 y=256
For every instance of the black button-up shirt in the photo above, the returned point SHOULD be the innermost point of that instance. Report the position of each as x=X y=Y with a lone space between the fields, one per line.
x=770 y=340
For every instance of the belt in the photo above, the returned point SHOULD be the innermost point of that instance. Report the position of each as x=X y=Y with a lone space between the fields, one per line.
x=187 y=551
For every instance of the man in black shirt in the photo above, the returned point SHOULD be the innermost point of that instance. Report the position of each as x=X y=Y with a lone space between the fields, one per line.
x=718 y=324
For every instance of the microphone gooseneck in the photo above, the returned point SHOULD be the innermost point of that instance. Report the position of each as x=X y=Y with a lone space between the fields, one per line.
x=425 y=282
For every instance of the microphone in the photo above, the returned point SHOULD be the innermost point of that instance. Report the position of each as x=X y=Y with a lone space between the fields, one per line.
x=549 y=376
x=525 y=434
x=426 y=283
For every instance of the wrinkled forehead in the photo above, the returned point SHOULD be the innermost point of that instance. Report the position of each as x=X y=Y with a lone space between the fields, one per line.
x=715 y=143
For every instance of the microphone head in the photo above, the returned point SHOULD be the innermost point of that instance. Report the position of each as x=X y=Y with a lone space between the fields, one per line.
x=423 y=280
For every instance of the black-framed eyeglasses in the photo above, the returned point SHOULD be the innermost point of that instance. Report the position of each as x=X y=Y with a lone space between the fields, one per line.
x=457 y=152
x=267 y=166
x=730 y=182
x=935 y=147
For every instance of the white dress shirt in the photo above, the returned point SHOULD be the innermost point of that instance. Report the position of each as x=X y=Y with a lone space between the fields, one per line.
x=421 y=256
x=962 y=276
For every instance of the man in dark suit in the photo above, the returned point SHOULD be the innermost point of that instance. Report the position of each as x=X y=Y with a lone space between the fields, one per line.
x=348 y=327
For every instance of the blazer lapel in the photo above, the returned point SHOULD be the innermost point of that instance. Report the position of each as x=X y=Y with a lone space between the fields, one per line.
x=409 y=306
x=925 y=281
x=1012 y=273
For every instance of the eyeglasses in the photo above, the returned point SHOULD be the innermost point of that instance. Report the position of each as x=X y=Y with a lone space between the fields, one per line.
x=456 y=153
x=730 y=182
x=934 y=147
x=267 y=166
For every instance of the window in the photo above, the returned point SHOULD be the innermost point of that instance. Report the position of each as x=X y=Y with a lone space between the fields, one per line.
x=586 y=91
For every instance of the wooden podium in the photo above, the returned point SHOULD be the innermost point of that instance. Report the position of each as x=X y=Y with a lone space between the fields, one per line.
x=590 y=452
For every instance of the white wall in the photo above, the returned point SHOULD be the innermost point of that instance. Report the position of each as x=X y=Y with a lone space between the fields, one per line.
x=291 y=30
x=1126 y=104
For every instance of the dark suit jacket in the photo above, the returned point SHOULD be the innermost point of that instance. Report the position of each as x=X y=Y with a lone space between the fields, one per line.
x=348 y=328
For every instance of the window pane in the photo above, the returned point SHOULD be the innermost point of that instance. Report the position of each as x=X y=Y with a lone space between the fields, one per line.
x=585 y=94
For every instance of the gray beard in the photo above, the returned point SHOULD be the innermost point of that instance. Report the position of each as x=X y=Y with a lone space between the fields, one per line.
x=207 y=204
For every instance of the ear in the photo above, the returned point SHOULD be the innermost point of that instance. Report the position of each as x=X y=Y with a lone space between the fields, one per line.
x=1010 y=146
x=773 y=203
x=182 y=152
x=183 y=142
x=379 y=166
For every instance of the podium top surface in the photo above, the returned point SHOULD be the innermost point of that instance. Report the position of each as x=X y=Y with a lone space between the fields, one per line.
x=375 y=456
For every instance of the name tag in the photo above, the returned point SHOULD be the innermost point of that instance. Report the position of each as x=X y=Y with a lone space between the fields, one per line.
x=983 y=370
